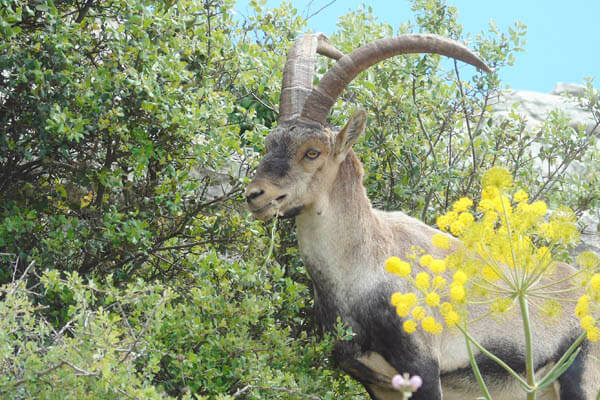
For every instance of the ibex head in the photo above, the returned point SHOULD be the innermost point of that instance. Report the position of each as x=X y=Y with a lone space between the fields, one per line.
x=303 y=155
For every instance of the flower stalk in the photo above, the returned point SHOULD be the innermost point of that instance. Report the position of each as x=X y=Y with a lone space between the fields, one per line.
x=529 y=365
x=476 y=371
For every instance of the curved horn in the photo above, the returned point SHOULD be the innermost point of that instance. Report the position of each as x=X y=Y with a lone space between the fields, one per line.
x=298 y=73
x=332 y=84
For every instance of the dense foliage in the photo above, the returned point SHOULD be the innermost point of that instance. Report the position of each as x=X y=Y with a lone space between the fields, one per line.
x=128 y=263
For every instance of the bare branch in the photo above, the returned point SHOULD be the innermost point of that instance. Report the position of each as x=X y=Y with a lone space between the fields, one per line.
x=241 y=391
x=320 y=9
x=468 y=123
x=144 y=329
x=80 y=372
x=14 y=284
x=83 y=11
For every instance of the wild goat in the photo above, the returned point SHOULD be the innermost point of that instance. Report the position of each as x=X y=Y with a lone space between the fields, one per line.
x=310 y=172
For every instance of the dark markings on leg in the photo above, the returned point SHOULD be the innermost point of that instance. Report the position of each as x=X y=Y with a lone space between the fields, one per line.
x=379 y=329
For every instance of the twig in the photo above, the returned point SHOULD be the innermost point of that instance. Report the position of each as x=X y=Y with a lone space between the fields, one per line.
x=272 y=242
x=80 y=372
x=40 y=374
x=14 y=283
x=421 y=124
x=15 y=269
x=184 y=246
x=146 y=325
x=126 y=394
x=468 y=123
x=241 y=391
x=131 y=332
x=83 y=11
x=320 y=9
x=263 y=103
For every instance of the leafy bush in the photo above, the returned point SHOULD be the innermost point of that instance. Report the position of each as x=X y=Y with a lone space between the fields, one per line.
x=228 y=330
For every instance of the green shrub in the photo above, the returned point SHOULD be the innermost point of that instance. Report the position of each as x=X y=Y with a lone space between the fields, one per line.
x=233 y=327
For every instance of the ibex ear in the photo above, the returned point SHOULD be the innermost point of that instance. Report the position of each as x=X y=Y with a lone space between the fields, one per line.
x=350 y=133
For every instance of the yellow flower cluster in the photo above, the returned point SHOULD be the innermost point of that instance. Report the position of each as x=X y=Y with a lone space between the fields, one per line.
x=407 y=305
x=505 y=247
x=561 y=227
x=497 y=178
x=398 y=267
x=422 y=306
x=588 y=322
x=505 y=232
x=520 y=196
x=454 y=222
x=588 y=305
x=441 y=241
x=463 y=204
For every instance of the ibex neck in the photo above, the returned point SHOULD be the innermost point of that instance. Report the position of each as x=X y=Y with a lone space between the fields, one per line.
x=340 y=238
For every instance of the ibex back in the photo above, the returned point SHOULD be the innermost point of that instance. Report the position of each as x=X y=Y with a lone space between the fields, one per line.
x=310 y=172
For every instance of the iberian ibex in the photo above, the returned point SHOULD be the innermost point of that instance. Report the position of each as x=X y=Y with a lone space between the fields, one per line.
x=310 y=172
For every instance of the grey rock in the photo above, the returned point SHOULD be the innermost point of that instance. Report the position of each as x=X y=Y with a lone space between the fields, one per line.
x=537 y=106
x=568 y=89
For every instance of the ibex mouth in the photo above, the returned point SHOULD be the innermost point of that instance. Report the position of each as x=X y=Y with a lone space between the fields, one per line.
x=264 y=213
x=292 y=212
x=268 y=211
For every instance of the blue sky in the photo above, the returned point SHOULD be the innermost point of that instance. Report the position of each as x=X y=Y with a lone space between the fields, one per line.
x=563 y=37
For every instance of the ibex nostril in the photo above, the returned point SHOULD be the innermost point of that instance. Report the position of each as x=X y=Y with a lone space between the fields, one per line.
x=254 y=194
x=280 y=198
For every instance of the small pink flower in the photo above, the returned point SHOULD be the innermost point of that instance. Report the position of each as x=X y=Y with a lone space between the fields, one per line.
x=403 y=383
x=416 y=382
x=398 y=382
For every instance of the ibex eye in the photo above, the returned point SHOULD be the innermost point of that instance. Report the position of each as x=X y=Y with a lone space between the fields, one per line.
x=312 y=154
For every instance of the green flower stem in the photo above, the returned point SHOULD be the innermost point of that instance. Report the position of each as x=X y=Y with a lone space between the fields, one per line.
x=550 y=296
x=492 y=288
x=539 y=272
x=515 y=269
x=272 y=244
x=472 y=321
x=564 y=358
x=476 y=371
x=570 y=290
x=554 y=283
x=498 y=361
x=523 y=305
x=529 y=366
x=489 y=258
